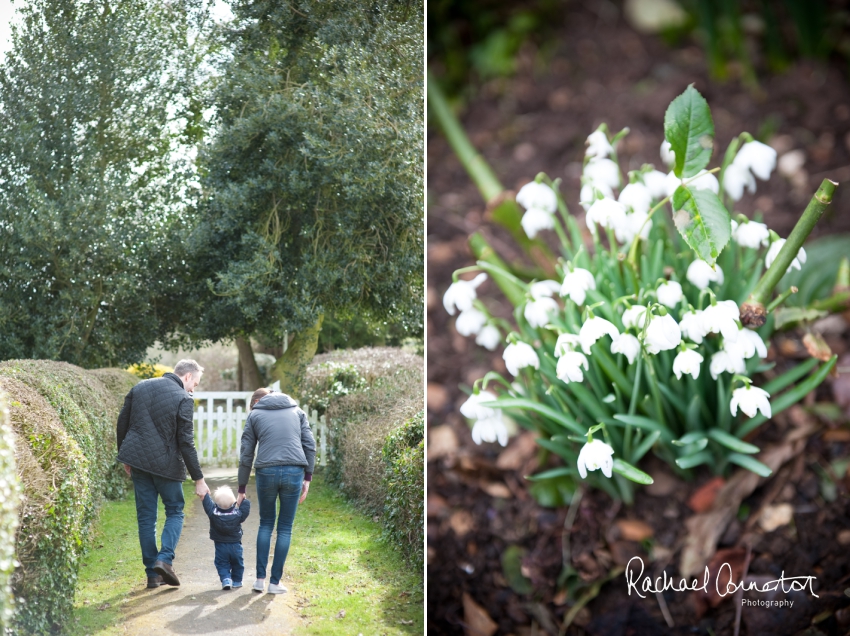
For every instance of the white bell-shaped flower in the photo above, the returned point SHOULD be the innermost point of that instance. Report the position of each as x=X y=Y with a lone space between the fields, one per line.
x=537 y=312
x=748 y=344
x=634 y=316
x=636 y=196
x=693 y=326
x=667 y=154
x=605 y=212
x=489 y=337
x=722 y=318
x=588 y=193
x=662 y=334
x=472 y=409
x=669 y=294
x=725 y=362
x=751 y=234
x=536 y=220
x=543 y=288
x=602 y=172
x=705 y=180
x=490 y=430
x=701 y=275
x=598 y=145
x=735 y=178
x=538 y=196
x=751 y=400
x=461 y=294
x=656 y=182
x=576 y=283
x=520 y=355
x=671 y=182
x=596 y=455
x=592 y=330
x=627 y=345
x=470 y=321
x=566 y=342
x=757 y=157
x=631 y=225
x=687 y=362
x=773 y=252
x=569 y=367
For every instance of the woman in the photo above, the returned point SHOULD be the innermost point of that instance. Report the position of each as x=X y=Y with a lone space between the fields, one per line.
x=284 y=468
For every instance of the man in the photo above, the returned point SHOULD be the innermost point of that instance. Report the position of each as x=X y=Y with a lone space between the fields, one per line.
x=156 y=444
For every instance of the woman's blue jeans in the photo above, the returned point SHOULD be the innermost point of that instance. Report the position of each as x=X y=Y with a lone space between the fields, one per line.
x=276 y=483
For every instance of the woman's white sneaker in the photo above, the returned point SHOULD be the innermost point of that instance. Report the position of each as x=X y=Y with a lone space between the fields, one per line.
x=259 y=585
x=276 y=589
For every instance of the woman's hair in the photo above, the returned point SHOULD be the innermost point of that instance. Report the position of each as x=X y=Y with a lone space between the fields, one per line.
x=258 y=394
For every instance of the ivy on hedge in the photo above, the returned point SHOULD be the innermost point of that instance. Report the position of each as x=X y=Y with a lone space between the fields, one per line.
x=404 y=480
x=9 y=502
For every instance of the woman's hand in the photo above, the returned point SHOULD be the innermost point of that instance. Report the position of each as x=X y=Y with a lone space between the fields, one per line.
x=240 y=498
x=305 y=487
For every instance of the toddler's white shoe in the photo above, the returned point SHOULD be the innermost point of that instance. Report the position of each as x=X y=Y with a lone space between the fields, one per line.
x=259 y=585
x=276 y=589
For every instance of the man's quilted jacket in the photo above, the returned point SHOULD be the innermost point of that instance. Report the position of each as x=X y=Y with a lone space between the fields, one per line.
x=155 y=431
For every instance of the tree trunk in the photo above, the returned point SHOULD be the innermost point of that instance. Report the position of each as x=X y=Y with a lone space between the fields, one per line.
x=253 y=379
x=291 y=367
x=240 y=385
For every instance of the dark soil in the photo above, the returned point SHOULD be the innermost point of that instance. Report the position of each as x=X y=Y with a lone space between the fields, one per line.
x=604 y=72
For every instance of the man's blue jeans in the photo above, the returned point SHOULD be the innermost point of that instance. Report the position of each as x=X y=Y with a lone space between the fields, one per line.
x=228 y=561
x=273 y=483
x=148 y=489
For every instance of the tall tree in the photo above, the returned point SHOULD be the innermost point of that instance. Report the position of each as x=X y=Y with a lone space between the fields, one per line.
x=314 y=178
x=96 y=129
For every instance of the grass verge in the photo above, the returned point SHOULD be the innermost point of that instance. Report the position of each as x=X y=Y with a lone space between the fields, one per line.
x=113 y=566
x=348 y=581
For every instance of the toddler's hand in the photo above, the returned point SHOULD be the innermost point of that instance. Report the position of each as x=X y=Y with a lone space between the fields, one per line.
x=240 y=498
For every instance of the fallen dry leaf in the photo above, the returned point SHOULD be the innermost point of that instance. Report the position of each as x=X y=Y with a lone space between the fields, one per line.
x=844 y=537
x=436 y=505
x=442 y=442
x=495 y=489
x=836 y=435
x=519 y=451
x=438 y=397
x=663 y=483
x=461 y=522
x=634 y=529
x=476 y=619
x=841 y=384
x=720 y=575
x=817 y=347
x=703 y=497
x=776 y=516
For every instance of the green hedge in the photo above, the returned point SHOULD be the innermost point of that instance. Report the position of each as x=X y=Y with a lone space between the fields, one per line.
x=63 y=418
x=404 y=482
x=9 y=502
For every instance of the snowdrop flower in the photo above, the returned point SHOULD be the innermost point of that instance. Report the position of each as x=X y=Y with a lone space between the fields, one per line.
x=605 y=212
x=569 y=367
x=700 y=274
x=595 y=455
x=576 y=283
x=566 y=342
x=693 y=326
x=472 y=409
x=662 y=334
x=667 y=154
x=637 y=197
x=598 y=145
x=489 y=337
x=470 y=321
x=626 y=344
x=518 y=356
x=588 y=194
x=634 y=316
x=602 y=172
x=723 y=361
x=750 y=399
x=758 y=158
x=537 y=196
x=490 y=430
x=722 y=318
x=751 y=234
x=636 y=224
x=773 y=252
x=543 y=288
x=705 y=180
x=748 y=344
x=735 y=178
x=671 y=182
x=535 y=220
x=537 y=311
x=688 y=362
x=656 y=182
x=462 y=293
x=669 y=293
x=592 y=330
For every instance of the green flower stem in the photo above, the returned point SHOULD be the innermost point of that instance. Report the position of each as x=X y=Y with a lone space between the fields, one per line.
x=781 y=298
x=489 y=261
x=753 y=312
x=566 y=247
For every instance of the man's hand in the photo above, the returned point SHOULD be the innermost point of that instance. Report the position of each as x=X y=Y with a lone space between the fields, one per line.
x=305 y=487
x=127 y=470
x=201 y=488
x=240 y=498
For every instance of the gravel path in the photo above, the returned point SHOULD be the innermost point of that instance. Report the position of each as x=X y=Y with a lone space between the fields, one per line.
x=199 y=605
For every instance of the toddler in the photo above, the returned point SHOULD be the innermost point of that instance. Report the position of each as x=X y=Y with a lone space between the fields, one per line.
x=226 y=531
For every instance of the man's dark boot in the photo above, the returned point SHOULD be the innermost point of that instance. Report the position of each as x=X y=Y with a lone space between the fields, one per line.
x=166 y=572
x=155 y=581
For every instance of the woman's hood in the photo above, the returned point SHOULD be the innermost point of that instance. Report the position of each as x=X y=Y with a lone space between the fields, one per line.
x=274 y=401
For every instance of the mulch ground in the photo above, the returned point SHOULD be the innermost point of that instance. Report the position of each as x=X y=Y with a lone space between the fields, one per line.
x=478 y=501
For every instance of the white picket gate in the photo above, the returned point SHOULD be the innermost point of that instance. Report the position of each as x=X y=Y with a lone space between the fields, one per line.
x=218 y=427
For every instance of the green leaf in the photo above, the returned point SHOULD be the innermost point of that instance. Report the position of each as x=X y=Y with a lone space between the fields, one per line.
x=689 y=461
x=563 y=471
x=689 y=438
x=702 y=220
x=644 y=446
x=646 y=424
x=731 y=442
x=542 y=409
x=630 y=472
x=787 y=315
x=689 y=129
x=750 y=463
x=512 y=569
